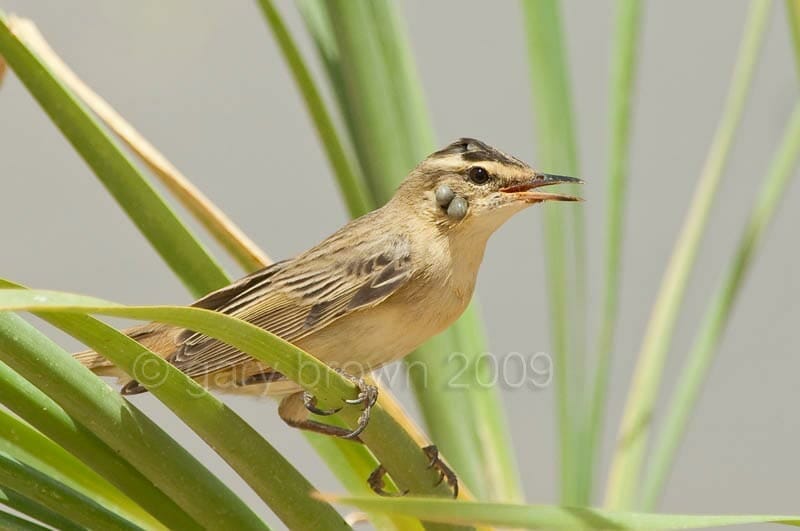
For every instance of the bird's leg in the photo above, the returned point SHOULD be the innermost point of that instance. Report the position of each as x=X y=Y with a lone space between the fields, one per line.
x=297 y=417
x=294 y=412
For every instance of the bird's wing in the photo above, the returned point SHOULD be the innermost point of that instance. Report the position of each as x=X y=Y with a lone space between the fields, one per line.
x=296 y=298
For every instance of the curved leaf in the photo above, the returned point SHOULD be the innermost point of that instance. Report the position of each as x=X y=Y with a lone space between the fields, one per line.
x=393 y=447
x=173 y=241
x=557 y=151
x=351 y=183
x=24 y=399
x=629 y=454
x=548 y=516
x=38 y=512
x=701 y=355
x=624 y=52
x=10 y=522
x=271 y=476
x=118 y=423
x=20 y=441
x=56 y=496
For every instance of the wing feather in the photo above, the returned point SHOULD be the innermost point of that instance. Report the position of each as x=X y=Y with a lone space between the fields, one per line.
x=295 y=298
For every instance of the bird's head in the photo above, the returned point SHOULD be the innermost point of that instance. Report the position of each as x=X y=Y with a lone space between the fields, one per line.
x=471 y=185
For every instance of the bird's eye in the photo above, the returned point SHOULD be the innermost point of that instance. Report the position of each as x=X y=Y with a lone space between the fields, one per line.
x=478 y=175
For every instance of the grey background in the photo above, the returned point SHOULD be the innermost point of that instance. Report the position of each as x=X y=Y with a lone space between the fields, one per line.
x=205 y=83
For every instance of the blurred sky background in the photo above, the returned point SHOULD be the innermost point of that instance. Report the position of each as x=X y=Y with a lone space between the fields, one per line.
x=204 y=82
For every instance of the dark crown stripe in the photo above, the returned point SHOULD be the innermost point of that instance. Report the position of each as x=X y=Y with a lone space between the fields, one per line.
x=472 y=150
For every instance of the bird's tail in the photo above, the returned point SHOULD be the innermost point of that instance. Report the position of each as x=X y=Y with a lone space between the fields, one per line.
x=159 y=338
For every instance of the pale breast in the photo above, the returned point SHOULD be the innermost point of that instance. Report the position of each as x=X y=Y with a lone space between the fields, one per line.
x=368 y=339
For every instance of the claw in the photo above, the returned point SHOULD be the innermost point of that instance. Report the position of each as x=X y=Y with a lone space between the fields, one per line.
x=367 y=397
x=376 y=483
x=445 y=473
x=310 y=401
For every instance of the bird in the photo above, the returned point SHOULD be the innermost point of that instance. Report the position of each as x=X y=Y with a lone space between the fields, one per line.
x=367 y=295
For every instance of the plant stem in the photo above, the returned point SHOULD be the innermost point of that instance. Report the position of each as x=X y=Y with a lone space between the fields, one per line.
x=224 y=231
x=793 y=18
x=623 y=73
x=564 y=235
x=24 y=399
x=700 y=357
x=351 y=183
x=636 y=422
x=171 y=239
x=119 y=424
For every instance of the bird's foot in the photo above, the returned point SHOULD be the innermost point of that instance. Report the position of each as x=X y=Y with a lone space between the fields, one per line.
x=376 y=483
x=445 y=472
x=310 y=401
x=367 y=397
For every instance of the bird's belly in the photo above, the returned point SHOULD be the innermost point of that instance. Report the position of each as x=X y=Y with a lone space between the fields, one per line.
x=366 y=340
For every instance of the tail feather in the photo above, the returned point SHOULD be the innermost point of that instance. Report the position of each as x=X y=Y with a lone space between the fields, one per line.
x=92 y=360
x=159 y=338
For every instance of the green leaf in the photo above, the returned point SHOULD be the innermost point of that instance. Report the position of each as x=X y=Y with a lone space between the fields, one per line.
x=350 y=181
x=636 y=422
x=171 y=239
x=119 y=424
x=46 y=490
x=21 y=442
x=23 y=398
x=548 y=516
x=565 y=246
x=34 y=510
x=393 y=447
x=702 y=353
x=623 y=72
x=793 y=17
x=224 y=431
x=9 y=522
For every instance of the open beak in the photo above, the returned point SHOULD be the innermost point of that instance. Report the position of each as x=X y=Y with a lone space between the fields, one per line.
x=528 y=193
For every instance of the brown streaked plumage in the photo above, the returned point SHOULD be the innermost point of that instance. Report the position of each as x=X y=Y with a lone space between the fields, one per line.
x=370 y=293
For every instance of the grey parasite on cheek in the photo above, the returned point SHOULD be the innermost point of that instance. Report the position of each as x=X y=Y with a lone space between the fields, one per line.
x=444 y=195
x=458 y=208
x=455 y=206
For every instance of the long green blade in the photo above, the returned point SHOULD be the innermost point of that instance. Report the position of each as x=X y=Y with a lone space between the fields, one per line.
x=636 y=422
x=218 y=225
x=173 y=241
x=24 y=399
x=702 y=353
x=271 y=476
x=393 y=447
x=550 y=516
x=21 y=442
x=350 y=181
x=10 y=522
x=623 y=73
x=56 y=496
x=563 y=232
x=120 y=425
x=36 y=511
x=793 y=18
